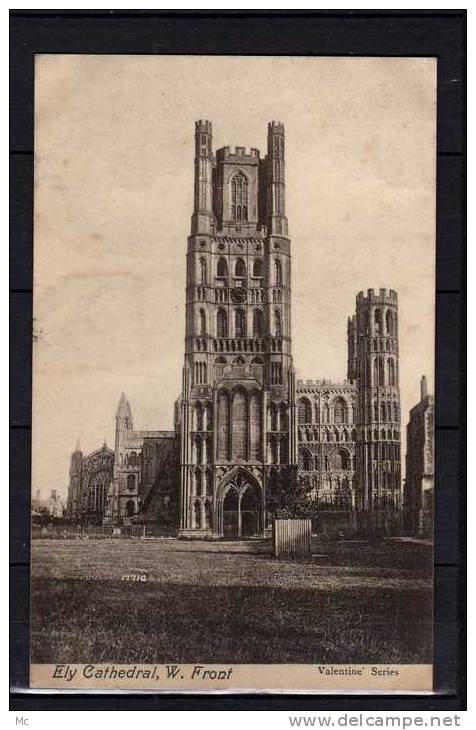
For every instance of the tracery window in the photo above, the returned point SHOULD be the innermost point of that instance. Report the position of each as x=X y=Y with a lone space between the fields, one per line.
x=278 y=273
x=222 y=324
x=240 y=323
x=258 y=323
x=239 y=197
x=258 y=268
x=340 y=411
x=304 y=411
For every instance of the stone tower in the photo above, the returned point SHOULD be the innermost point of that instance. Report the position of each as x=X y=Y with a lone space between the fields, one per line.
x=373 y=363
x=75 y=478
x=238 y=415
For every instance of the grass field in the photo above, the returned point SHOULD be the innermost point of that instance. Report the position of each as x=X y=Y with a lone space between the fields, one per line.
x=229 y=602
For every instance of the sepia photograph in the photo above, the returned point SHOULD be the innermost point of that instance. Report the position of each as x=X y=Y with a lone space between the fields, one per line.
x=233 y=373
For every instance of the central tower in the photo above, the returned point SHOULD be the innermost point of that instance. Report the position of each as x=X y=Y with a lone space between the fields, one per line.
x=237 y=409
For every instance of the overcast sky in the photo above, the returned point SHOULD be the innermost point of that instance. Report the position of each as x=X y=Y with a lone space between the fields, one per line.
x=114 y=155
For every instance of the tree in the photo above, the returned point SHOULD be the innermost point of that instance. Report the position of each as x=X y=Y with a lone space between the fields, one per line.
x=288 y=496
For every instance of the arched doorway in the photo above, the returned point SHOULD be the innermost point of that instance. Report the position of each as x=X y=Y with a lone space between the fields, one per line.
x=240 y=508
x=129 y=508
x=250 y=509
x=230 y=514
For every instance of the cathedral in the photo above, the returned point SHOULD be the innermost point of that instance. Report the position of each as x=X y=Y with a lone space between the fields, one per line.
x=245 y=429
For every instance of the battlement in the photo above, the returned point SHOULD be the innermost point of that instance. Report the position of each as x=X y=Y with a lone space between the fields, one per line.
x=240 y=154
x=203 y=125
x=309 y=384
x=388 y=296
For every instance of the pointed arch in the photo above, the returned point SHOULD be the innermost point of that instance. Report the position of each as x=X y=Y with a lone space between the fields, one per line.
x=381 y=371
x=197 y=511
x=240 y=323
x=240 y=268
x=304 y=410
x=255 y=425
x=258 y=323
x=278 y=272
x=339 y=459
x=239 y=197
x=340 y=410
x=239 y=420
x=304 y=459
x=389 y=322
x=198 y=483
x=391 y=371
x=203 y=271
x=202 y=323
x=198 y=417
x=222 y=268
x=258 y=268
x=378 y=321
x=222 y=323
x=278 y=323
x=223 y=426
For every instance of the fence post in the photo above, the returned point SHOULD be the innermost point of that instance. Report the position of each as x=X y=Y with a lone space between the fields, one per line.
x=292 y=538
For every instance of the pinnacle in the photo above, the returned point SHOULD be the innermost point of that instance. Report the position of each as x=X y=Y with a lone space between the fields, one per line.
x=124 y=408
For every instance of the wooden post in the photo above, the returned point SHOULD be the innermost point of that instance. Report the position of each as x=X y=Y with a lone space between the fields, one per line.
x=292 y=538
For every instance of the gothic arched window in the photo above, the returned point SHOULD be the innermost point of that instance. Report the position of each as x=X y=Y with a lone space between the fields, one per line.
x=278 y=325
x=222 y=323
x=305 y=461
x=203 y=323
x=391 y=371
x=240 y=323
x=304 y=411
x=278 y=272
x=131 y=482
x=258 y=323
x=203 y=271
x=198 y=417
x=389 y=322
x=198 y=483
x=240 y=268
x=381 y=371
x=222 y=268
x=258 y=268
x=340 y=411
x=198 y=514
x=378 y=321
x=239 y=197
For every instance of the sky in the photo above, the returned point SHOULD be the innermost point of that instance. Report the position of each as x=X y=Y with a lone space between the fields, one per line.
x=114 y=152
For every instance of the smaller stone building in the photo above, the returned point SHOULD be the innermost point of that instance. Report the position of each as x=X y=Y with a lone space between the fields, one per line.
x=419 y=485
x=137 y=482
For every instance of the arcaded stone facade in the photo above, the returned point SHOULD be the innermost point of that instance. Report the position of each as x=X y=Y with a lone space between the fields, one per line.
x=244 y=429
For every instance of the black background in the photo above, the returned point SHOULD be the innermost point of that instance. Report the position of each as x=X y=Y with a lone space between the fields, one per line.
x=317 y=33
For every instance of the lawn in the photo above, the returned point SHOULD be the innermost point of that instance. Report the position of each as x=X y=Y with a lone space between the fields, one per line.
x=230 y=602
